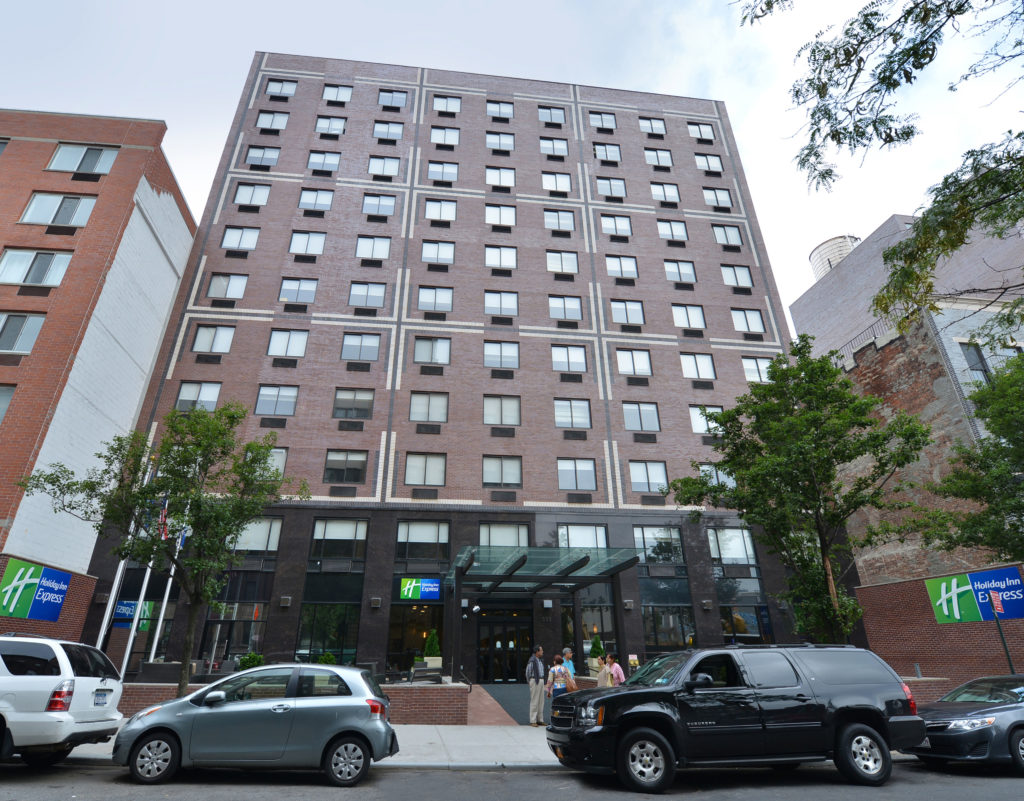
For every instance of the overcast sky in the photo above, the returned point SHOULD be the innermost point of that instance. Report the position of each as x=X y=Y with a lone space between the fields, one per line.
x=184 y=62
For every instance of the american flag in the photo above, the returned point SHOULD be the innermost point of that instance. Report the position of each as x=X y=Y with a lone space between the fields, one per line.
x=163 y=520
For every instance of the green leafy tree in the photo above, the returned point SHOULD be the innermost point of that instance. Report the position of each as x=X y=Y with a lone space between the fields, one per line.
x=596 y=647
x=798 y=455
x=213 y=483
x=855 y=80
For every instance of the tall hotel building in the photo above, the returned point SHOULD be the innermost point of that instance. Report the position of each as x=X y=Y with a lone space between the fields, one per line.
x=480 y=313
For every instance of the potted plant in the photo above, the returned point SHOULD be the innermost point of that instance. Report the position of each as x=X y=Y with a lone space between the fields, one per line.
x=250 y=660
x=596 y=650
x=432 y=650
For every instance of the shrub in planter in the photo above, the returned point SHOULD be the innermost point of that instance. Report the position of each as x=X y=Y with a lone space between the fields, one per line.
x=432 y=647
x=327 y=658
x=250 y=660
x=596 y=648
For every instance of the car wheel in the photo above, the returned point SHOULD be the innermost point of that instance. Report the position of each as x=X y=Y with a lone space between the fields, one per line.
x=862 y=755
x=647 y=763
x=45 y=759
x=1017 y=749
x=346 y=761
x=154 y=758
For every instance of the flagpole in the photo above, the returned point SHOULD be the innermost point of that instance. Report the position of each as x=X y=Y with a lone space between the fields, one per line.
x=108 y=614
x=163 y=605
x=135 y=619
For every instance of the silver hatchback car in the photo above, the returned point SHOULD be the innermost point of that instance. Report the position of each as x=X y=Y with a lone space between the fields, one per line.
x=279 y=716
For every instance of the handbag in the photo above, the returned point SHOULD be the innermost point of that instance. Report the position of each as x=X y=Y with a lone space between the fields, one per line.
x=570 y=682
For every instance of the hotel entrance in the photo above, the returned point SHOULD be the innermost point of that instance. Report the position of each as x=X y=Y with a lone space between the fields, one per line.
x=505 y=639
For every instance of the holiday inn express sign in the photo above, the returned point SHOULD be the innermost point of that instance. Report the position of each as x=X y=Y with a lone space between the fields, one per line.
x=971 y=597
x=32 y=591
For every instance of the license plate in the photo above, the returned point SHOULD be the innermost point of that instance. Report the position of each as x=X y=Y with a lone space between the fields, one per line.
x=101 y=697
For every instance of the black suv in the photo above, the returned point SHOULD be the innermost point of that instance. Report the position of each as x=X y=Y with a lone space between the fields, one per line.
x=766 y=705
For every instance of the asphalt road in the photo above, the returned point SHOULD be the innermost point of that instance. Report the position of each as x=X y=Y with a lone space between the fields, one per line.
x=910 y=782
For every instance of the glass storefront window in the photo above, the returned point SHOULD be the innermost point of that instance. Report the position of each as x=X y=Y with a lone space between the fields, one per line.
x=658 y=544
x=408 y=629
x=746 y=624
x=339 y=539
x=667 y=628
x=328 y=629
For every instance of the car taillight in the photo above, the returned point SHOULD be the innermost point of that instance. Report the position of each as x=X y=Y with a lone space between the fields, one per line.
x=60 y=698
x=377 y=710
x=910 y=699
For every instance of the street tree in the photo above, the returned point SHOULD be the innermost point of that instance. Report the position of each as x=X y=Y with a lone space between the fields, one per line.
x=798 y=455
x=853 y=87
x=200 y=485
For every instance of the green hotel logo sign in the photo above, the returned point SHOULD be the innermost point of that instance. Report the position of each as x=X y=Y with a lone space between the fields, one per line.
x=32 y=591
x=970 y=597
x=417 y=589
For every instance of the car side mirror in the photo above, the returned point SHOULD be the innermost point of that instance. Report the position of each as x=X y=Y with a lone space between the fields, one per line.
x=214 y=697
x=698 y=680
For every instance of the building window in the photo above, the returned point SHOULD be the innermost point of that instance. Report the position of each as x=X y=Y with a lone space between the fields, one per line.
x=700 y=130
x=503 y=471
x=277 y=400
x=373 y=247
x=551 y=114
x=564 y=307
x=582 y=536
x=616 y=225
x=755 y=369
x=339 y=94
x=320 y=199
x=500 y=141
x=647 y=476
x=556 y=220
x=353 y=404
x=262 y=156
x=252 y=194
x=426 y=469
x=735 y=275
x=499 y=215
x=6 y=393
x=699 y=421
x=442 y=171
x=562 y=261
x=572 y=413
x=240 y=238
x=440 y=135
x=500 y=176
x=628 y=312
x=287 y=343
x=281 y=88
x=438 y=252
x=432 y=350
x=732 y=546
x=600 y=119
x=84 y=158
x=18 y=331
x=607 y=152
x=727 y=234
x=435 y=298
x=380 y=205
x=568 y=358
x=697 y=365
x=502 y=303
x=52 y=209
x=672 y=229
x=977 y=367
x=621 y=266
x=641 y=416
x=391 y=97
x=383 y=165
x=708 y=162
x=685 y=316
x=501 y=354
x=388 y=130
x=717 y=197
x=310 y=243
x=428 y=407
x=611 y=187
x=261 y=535
x=345 y=467
x=360 y=347
x=577 y=474
x=658 y=156
x=440 y=210
x=653 y=125
x=330 y=125
x=339 y=539
x=278 y=459
x=556 y=181
x=272 y=120
x=227 y=285
x=449 y=103
x=505 y=258
x=659 y=544
x=35 y=267
x=298 y=290
x=496 y=109
x=422 y=539
x=322 y=160
x=681 y=271
x=554 y=147
x=633 y=362
x=666 y=193
x=366 y=294
x=747 y=320
x=213 y=338
x=501 y=410
x=505 y=535
x=194 y=395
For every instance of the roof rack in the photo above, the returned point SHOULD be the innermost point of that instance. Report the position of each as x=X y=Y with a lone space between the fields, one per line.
x=768 y=645
x=27 y=634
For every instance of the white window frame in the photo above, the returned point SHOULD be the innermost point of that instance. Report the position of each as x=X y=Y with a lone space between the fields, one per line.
x=503 y=410
x=425 y=469
x=428 y=407
x=666 y=193
x=233 y=286
x=284 y=400
x=621 y=266
x=748 y=320
x=565 y=262
x=551 y=114
x=565 y=307
x=602 y=119
x=502 y=355
x=318 y=199
x=337 y=92
x=496 y=140
x=755 y=369
x=717 y=197
x=213 y=339
x=616 y=225
x=33 y=267
x=658 y=156
x=307 y=243
x=688 y=315
x=281 y=87
x=383 y=129
x=432 y=350
x=204 y=395
x=627 y=312
x=554 y=146
x=272 y=120
x=373 y=247
x=51 y=208
x=252 y=194
x=502 y=257
x=435 y=298
x=262 y=156
x=556 y=181
x=700 y=130
x=372 y=203
x=584 y=476
x=495 y=214
x=449 y=103
x=607 y=152
x=71 y=157
x=240 y=238
x=361 y=342
x=323 y=160
x=674 y=271
x=626 y=360
x=436 y=252
x=297 y=290
x=330 y=125
x=367 y=294
x=502 y=303
x=442 y=171
x=26 y=327
x=708 y=162
x=559 y=220
x=655 y=125
x=672 y=230
x=500 y=108
x=737 y=275
x=611 y=187
x=569 y=358
x=287 y=342
x=384 y=165
x=392 y=97
x=441 y=210
x=443 y=135
x=700 y=366
x=727 y=234
x=572 y=413
x=648 y=476
x=500 y=176
x=640 y=416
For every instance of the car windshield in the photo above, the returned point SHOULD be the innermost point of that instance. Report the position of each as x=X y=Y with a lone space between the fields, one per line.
x=90 y=662
x=997 y=690
x=660 y=671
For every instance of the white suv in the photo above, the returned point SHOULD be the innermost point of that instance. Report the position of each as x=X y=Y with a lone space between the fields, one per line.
x=54 y=695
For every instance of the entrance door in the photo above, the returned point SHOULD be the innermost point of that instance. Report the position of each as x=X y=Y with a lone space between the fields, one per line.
x=504 y=648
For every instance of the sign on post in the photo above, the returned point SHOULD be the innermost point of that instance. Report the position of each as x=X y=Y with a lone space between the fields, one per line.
x=971 y=597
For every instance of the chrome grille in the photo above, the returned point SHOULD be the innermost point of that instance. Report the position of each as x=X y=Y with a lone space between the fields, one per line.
x=561 y=716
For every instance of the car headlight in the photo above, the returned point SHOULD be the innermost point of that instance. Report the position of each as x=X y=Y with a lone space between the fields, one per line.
x=591 y=716
x=140 y=715
x=970 y=724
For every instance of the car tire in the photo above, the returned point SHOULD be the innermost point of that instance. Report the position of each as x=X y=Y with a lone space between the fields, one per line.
x=155 y=757
x=646 y=761
x=862 y=755
x=45 y=759
x=1017 y=750
x=346 y=761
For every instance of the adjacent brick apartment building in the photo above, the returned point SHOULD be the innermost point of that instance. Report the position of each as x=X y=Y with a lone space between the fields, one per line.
x=481 y=314
x=94 y=237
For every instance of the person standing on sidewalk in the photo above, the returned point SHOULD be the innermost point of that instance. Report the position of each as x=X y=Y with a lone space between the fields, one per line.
x=535 y=678
x=567 y=661
x=604 y=675
x=615 y=669
x=559 y=679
